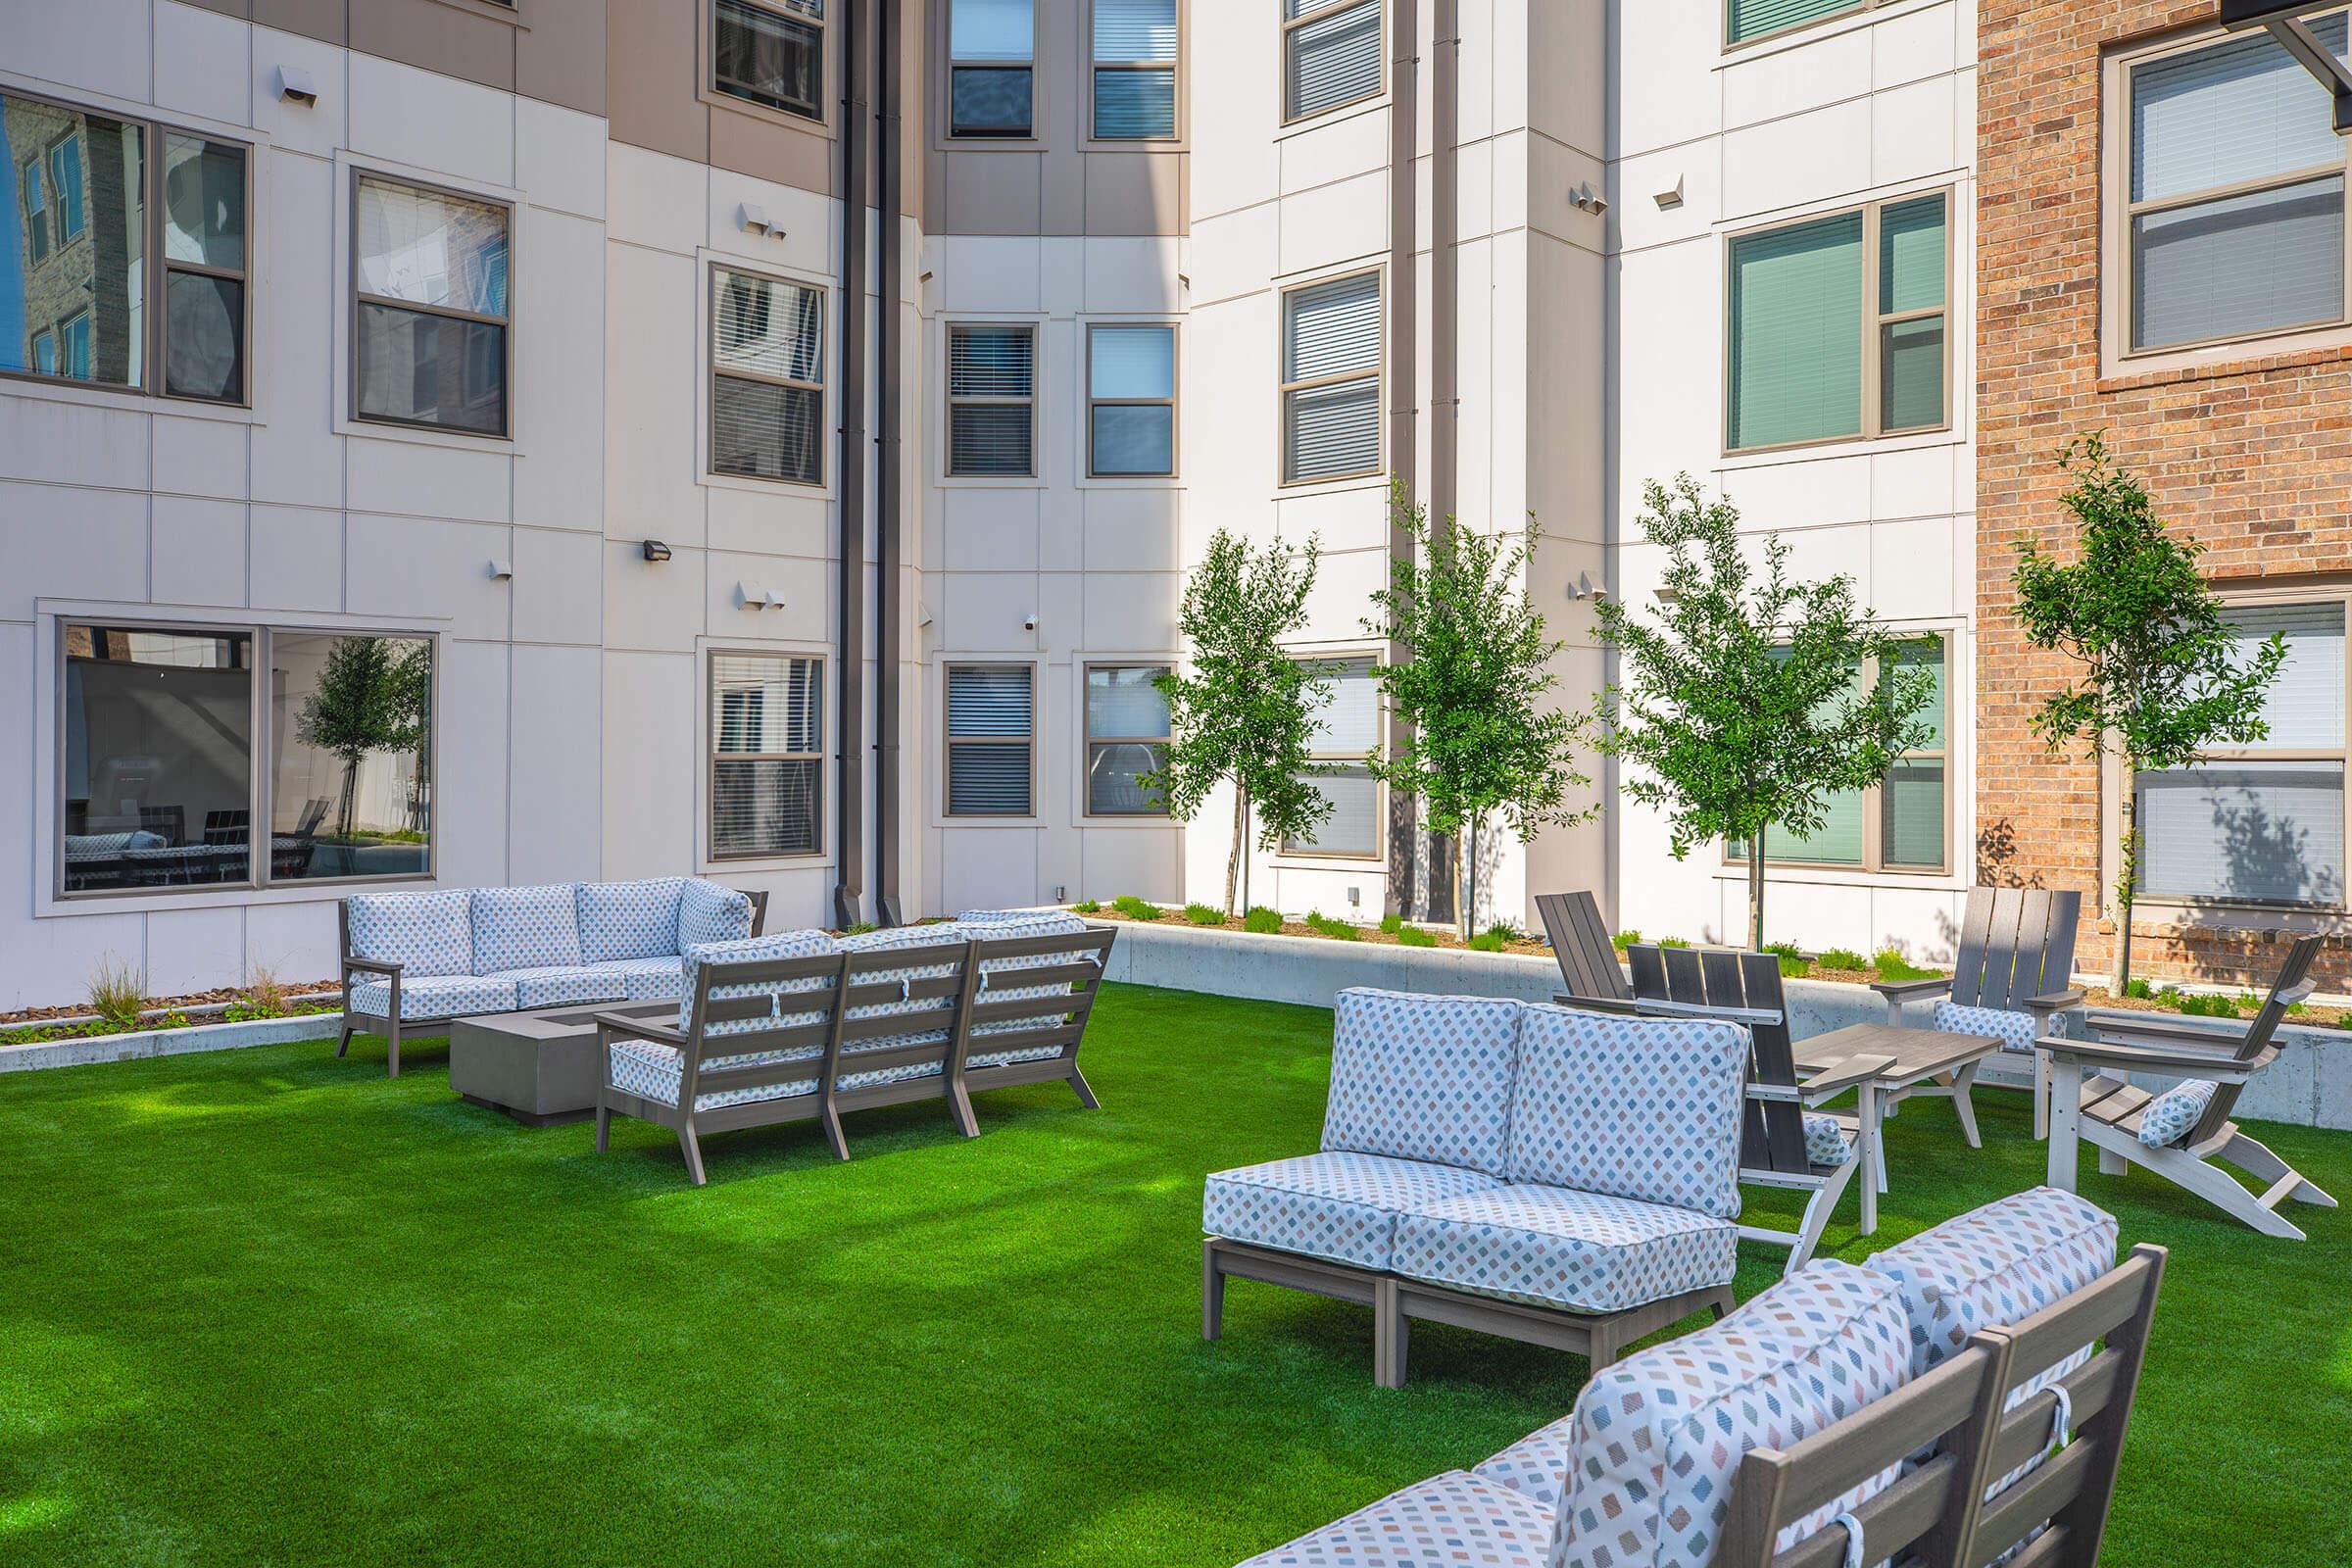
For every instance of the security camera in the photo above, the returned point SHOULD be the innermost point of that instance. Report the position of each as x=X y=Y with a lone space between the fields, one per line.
x=1029 y=623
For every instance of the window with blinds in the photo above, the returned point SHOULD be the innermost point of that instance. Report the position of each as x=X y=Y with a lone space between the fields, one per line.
x=1746 y=21
x=2264 y=825
x=1331 y=351
x=1134 y=79
x=770 y=53
x=2236 y=199
x=768 y=393
x=1836 y=327
x=1130 y=401
x=1126 y=737
x=431 y=336
x=992 y=401
x=1345 y=732
x=1331 y=54
x=991 y=717
x=767 y=739
x=992 y=48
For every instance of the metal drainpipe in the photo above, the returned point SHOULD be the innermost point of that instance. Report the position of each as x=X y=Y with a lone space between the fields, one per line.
x=1405 y=896
x=849 y=864
x=889 y=550
x=1444 y=308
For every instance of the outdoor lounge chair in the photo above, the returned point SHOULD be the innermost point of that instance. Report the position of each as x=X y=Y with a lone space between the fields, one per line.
x=2184 y=1133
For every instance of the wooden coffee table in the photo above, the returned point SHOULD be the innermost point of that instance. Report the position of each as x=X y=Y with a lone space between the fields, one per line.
x=1876 y=1060
x=538 y=1067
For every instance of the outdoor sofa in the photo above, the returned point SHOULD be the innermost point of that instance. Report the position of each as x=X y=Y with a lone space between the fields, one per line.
x=1960 y=1396
x=413 y=959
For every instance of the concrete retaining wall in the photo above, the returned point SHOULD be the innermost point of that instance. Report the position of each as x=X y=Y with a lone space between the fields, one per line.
x=170 y=1042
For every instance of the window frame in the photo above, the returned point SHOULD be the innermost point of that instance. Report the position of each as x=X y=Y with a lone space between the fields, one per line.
x=1033 y=402
x=827 y=81
x=1845 y=12
x=1088 y=741
x=711 y=755
x=1173 y=401
x=2118 y=355
x=154 y=301
x=821 y=484
x=1291 y=849
x=56 y=191
x=361 y=175
x=948 y=135
x=1871 y=322
x=1289 y=26
x=949 y=741
x=1176 y=70
x=1378 y=374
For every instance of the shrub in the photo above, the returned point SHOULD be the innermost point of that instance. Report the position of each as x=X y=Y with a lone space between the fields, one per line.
x=2139 y=990
x=859 y=928
x=1324 y=925
x=1508 y=931
x=1843 y=959
x=1793 y=964
x=1135 y=908
x=1391 y=924
x=1412 y=936
x=263 y=993
x=1490 y=939
x=1090 y=907
x=1203 y=914
x=1625 y=938
x=1672 y=942
x=1892 y=965
x=1262 y=920
x=118 y=989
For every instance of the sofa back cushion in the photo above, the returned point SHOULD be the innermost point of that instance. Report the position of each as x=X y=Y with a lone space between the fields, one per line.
x=912 y=939
x=1417 y=1077
x=1994 y=1266
x=527 y=928
x=746 y=949
x=624 y=920
x=708 y=912
x=1002 y=976
x=1655 y=1441
x=425 y=933
x=1647 y=1109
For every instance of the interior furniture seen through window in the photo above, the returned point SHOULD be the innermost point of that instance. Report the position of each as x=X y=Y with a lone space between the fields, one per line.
x=1135 y=69
x=1346 y=731
x=1746 y=21
x=160 y=777
x=766 y=754
x=992 y=66
x=1130 y=400
x=1331 y=379
x=430 y=335
x=771 y=54
x=1126 y=736
x=990 y=716
x=1331 y=54
x=768 y=368
x=992 y=401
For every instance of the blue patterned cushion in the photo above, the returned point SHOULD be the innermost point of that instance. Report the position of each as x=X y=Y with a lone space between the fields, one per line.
x=425 y=933
x=1339 y=1206
x=1419 y=1077
x=2168 y=1118
x=559 y=985
x=621 y=920
x=448 y=995
x=527 y=928
x=646 y=979
x=1827 y=1141
x=1551 y=1246
x=1649 y=1452
x=1995 y=1265
x=708 y=912
x=904 y=938
x=1454 y=1518
x=1632 y=1108
x=775 y=944
x=995 y=973
x=2014 y=1030
x=1008 y=916
x=653 y=1071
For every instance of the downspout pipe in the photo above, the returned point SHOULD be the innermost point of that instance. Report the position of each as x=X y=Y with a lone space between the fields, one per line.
x=848 y=852
x=1444 y=334
x=890 y=542
x=1406 y=895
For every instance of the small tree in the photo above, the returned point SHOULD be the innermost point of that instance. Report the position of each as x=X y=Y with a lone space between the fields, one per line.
x=1741 y=704
x=369 y=699
x=1244 y=711
x=1473 y=684
x=2164 y=680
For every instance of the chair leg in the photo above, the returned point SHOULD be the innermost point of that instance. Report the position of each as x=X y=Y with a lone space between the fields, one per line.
x=1818 y=1209
x=960 y=1109
x=2042 y=1096
x=604 y=1127
x=1212 y=1291
x=694 y=1155
x=2112 y=1163
x=343 y=1040
x=1390 y=1331
x=2256 y=1160
x=834 y=1136
x=1086 y=1091
x=392 y=1048
x=1964 y=1107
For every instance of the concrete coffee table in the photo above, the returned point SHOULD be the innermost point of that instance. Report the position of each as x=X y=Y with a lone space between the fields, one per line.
x=538 y=1067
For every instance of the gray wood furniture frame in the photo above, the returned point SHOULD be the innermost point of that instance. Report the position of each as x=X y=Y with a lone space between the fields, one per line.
x=2015 y=954
x=1936 y=1514
x=1884 y=1062
x=1582 y=947
x=996 y=1025
x=2106 y=1110
x=394 y=1028
x=1397 y=1302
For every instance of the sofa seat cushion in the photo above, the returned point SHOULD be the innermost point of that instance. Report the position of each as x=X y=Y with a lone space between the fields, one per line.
x=646 y=979
x=708 y=912
x=559 y=985
x=1007 y=1059
x=1651 y=1450
x=2013 y=1029
x=1334 y=1206
x=1828 y=1141
x=775 y=944
x=1425 y=1078
x=1454 y=1518
x=425 y=933
x=2168 y=1118
x=651 y=1071
x=431 y=997
x=624 y=920
x=1645 y=1109
x=525 y=928
x=1555 y=1246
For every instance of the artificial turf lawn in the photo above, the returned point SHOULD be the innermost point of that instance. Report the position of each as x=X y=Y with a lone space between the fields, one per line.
x=264 y=1306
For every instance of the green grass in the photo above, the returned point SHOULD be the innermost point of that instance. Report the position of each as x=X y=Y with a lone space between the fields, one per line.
x=266 y=1308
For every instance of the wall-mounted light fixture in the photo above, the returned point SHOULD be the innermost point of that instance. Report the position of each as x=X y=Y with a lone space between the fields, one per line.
x=654 y=550
x=753 y=218
x=1588 y=200
x=501 y=571
x=760 y=598
x=1671 y=197
x=295 y=86
x=1586 y=589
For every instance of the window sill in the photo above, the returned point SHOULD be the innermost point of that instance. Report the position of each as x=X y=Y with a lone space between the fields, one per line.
x=983 y=482
x=764 y=865
x=1841 y=447
x=1029 y=823
x=125 y=401
x=1157 y=825
x=1339 y=113
x=1830 y=876
x=488 y=11
x=51 y=904
x=1796 y=37
x=1332 y=487
x=784 y=118
x=2329 y=347
x=505 y=446
x=780 y=489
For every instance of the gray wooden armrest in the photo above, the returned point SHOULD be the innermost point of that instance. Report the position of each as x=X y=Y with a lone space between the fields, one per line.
x=2214 y=1066
x=2055 y=1001
x=640 y=1029
x=1624 y=1006
x=369 y=966
x=1911 y=990
x=1699 y=1009
x=1845 y=1074
x=2121 y=1025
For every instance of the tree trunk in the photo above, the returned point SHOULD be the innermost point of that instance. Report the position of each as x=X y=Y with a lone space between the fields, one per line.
x=348 y=806
x=2127 y=882
x=1233 y=857
x=1755 y=891
x=1466 y=917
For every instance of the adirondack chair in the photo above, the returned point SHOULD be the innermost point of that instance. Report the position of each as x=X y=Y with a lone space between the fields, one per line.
x=2184 y=1133
x=1581 y=946
x=2013 y=976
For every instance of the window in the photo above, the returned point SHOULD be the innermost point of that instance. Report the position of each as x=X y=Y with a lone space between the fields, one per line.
x=1135 y=69
x=768 y=736
x=1130 y=401
x=2265 y=824
x=1346 y=731
x=992 y=48
x=767 y=398
x=1331 y=54
x=770 y=54
x=990 y=712
x=429 y=341
x=161 y=780
x=2234 y=199
x=95 y=308
x=1126 y=737
x=1331 y=379
x=992 y=401
x=1746 y=21
x=1825 y=346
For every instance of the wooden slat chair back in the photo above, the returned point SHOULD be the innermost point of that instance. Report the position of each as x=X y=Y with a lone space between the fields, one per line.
x=1936 y=1513
x=2016 y=943
x=801 y=998
x=2292 y=986
x=1582 y=945
x=1028 y=1013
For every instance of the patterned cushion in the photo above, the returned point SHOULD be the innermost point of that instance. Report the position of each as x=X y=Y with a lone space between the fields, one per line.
x=1827 y=1141
x=1008 y=916
x=1995 y=1265
x=425 y=933
x=1554 y=1246
x=557 y=985
x=1005 y=1059
x=1340 y=1206
x=448 y=995
x=2168 y=1118
x=1651 y=1450
x=651 y=1071
x=2014 y=1030
x=1426 y=1078
x=775 y=944
x=621 y=920
x=647 y=979
x=708 y=912
x=1631 y=1108
x=1454 y=1518
x=904 y=938
x=994 y=971
x=527 y=928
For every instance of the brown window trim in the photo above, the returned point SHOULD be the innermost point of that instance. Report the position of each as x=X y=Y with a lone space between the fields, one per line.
x=714 y=755
x=718 y=271
x=944 y=45
x=950 y=740
x=1290 y=114
x=361 y=175
x=1173 y=401
x=1178 y=68
x=1845 y=12
x=1032 y=402
x=1090 y=740
x=828 y=84
x=1378 y=374
x=1292 y=849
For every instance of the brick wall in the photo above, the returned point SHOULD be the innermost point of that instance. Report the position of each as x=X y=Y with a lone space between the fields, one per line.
x=2252 y=457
